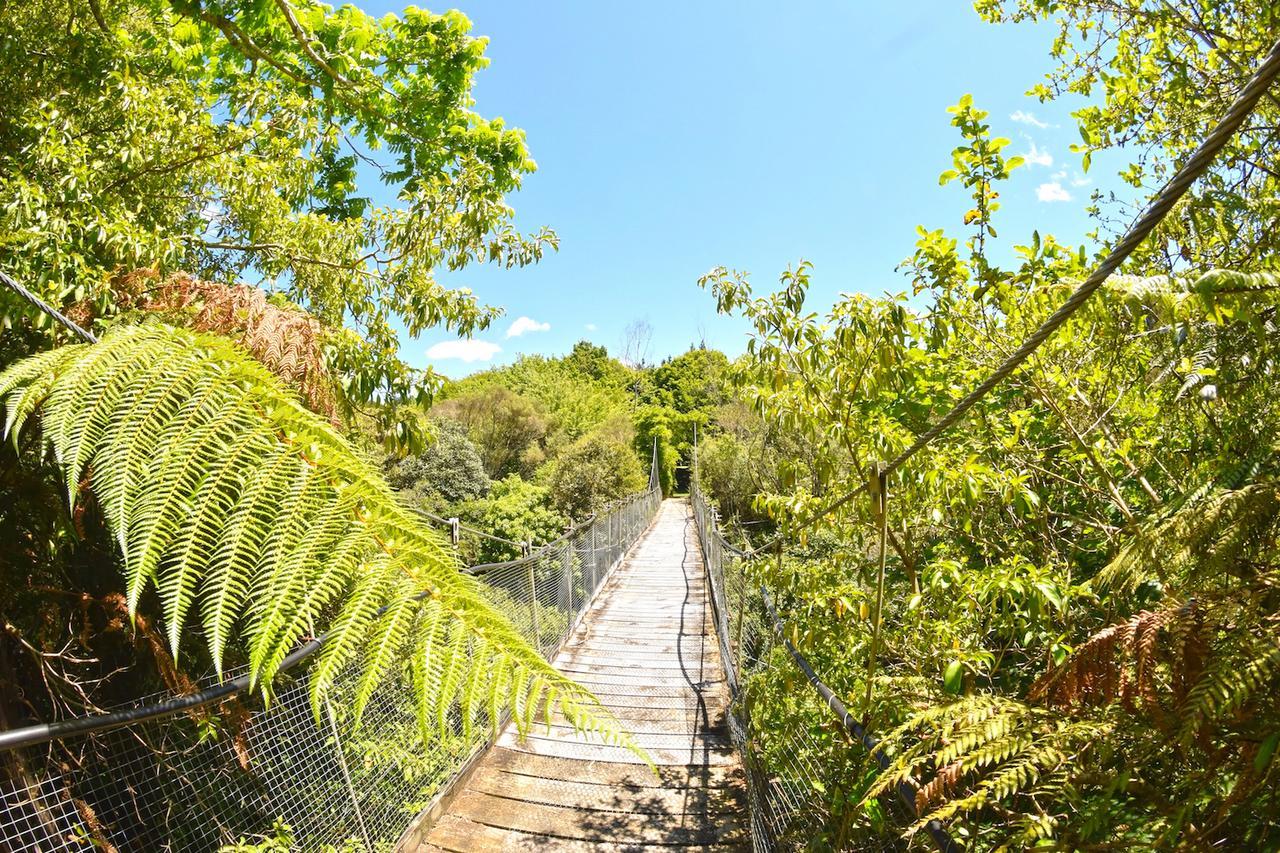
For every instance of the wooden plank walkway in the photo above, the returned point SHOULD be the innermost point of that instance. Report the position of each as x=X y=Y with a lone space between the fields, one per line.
x=648 y=649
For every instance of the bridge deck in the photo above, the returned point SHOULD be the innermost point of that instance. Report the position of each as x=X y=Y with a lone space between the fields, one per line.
x=647 y=648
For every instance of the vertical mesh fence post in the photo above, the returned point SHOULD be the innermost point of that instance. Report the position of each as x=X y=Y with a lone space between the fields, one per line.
x=566 y=558
x=346 y=778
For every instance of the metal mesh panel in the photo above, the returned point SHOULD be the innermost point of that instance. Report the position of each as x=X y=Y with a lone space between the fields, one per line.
x=211 y=776
x=798 y=755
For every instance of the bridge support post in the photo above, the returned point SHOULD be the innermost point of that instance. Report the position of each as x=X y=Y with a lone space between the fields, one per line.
x=533 y=598
x=595 y=558
x=566 y=557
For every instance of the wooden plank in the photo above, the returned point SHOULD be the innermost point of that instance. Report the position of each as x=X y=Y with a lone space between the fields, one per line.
x=593 y=825
x=460 y=835
x=636 y=660
x=636 y=799
x=662 y=721
x=608 y=679
x=646 y=740
x=662 y=756
x=613 y=773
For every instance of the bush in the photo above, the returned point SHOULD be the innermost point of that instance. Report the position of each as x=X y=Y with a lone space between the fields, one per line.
x=448 y=471
x=507 y=429
x=515 y=509
x=591 y=473
x=724 y=472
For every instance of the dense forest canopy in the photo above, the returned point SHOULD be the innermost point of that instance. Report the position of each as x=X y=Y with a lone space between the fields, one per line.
x=1079 y=643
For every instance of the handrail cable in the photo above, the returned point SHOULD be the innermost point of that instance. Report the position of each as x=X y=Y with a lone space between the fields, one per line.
x=1154 y=213
x=37 y=302
x=469 y=529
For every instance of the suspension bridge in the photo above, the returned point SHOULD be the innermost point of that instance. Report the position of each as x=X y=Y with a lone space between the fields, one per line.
x=646 y=604
x=647 y=648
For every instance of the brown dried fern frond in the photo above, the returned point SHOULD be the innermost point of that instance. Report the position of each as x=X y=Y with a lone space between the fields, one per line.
x=1117 y=663
x=286 y=340
x=940 y=787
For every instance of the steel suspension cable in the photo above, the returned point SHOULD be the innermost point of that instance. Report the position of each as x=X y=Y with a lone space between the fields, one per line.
x=468 y=529
x=1142 y=227
x=37 y=302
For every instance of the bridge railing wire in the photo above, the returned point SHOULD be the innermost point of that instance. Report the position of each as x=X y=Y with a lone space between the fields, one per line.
x=225 y=767
x=798 y=758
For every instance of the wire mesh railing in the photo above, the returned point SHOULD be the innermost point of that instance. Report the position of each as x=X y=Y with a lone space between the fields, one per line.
x=802 y=753
x=231 y=769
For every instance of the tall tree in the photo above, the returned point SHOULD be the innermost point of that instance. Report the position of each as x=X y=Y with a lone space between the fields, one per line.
x=1159 y=74
x=235 y=139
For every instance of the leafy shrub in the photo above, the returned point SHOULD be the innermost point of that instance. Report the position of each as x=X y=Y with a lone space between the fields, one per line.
x=505 y=427
x=592 y=473
x=448 y=471
x=515 y=509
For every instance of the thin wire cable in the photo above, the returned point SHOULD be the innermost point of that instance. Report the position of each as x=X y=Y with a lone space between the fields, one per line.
x=471 y=530
x=39 y=303
x=1155 y=212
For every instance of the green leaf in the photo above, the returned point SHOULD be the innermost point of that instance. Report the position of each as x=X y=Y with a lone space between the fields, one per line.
x=1265 y=751
x=953 y=677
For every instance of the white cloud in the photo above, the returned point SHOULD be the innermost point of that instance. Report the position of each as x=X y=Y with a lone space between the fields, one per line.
x=1028 y=118
x=1036 y=157
x=1058 y=176
x=524 y=325
x=1052 y=191
x=590 y=327
x=464 y=350
x=1081 y=181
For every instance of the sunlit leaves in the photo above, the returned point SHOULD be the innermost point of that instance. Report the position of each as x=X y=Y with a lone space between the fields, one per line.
x=258 y=526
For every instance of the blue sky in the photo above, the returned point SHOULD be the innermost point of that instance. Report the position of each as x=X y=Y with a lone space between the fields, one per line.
x=674 y=137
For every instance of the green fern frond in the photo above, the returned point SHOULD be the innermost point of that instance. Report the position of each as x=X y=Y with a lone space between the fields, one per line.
x=989 y=750
x=251 y=515
x=1200 y=537
x=1230 y=681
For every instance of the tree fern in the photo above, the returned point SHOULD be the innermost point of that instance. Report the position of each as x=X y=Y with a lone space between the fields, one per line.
x=252 y=516
x=988 y=750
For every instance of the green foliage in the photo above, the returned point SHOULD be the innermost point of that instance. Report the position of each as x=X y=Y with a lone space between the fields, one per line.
x=1155 y=78
x=507 y=429
x=725 y=472
x=249 y=516
x=448 y=471
x=576 y=395
x=516 y=510
x=592 y=473
x=1078 y=646
x=693 y=381
x=223 y=139
x=653 y=431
